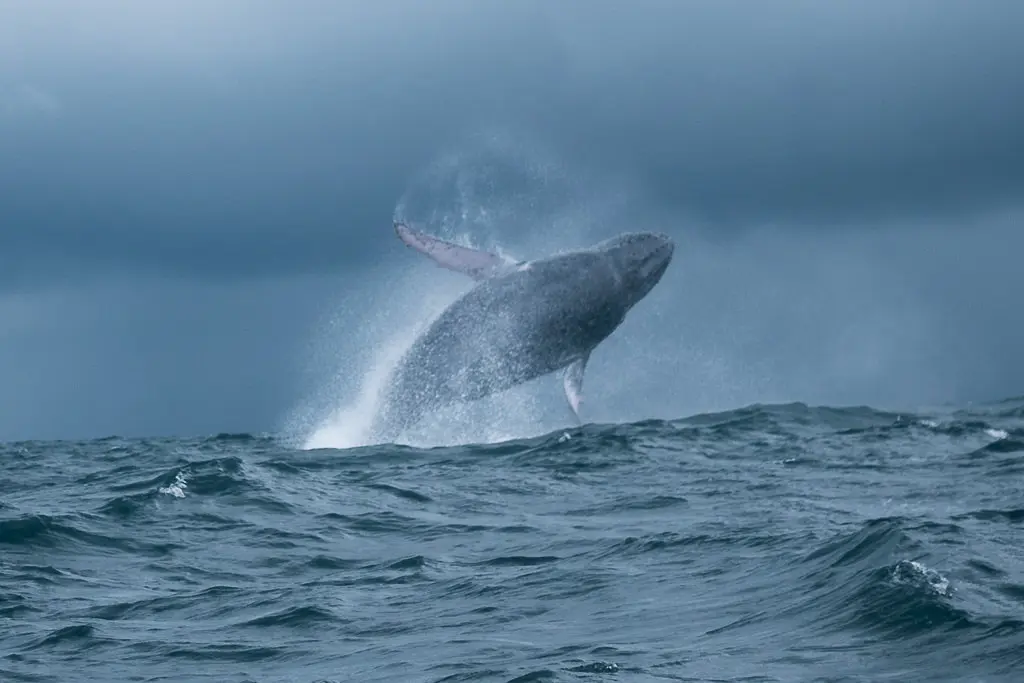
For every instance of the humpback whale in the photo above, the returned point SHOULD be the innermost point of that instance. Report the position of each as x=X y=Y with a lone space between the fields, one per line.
x=522 y=320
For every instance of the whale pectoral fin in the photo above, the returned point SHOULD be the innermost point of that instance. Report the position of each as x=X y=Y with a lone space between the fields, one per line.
x=572 y=382
x=475 y=263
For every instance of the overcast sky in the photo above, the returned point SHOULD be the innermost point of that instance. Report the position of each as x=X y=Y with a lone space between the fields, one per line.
x=196 y=197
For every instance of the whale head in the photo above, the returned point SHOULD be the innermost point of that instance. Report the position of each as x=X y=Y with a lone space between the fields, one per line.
x=640 y=259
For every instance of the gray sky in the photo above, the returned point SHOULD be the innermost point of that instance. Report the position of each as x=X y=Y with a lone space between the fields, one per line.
x=196 y=197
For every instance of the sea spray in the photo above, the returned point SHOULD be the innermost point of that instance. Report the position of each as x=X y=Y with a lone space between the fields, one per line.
x=367 y=344
x=349 y=426
x=496 y=191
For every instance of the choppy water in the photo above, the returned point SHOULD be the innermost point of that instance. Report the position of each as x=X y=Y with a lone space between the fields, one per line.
x=778 y=543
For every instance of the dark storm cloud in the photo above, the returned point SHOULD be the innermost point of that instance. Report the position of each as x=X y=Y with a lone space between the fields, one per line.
x=233 y=136
x=186 y=187
x=253 y=137
x=804 y=109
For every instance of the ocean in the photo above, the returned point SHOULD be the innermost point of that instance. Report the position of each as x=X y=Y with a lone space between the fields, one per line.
x=769 y=543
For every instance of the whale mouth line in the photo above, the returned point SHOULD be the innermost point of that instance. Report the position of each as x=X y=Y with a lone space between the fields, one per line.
x=660 y=257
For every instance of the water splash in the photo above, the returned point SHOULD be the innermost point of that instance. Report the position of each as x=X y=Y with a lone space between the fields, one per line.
x=350 y=424
x=513 y=414
x=497 y=192
x=359 y=349
x=178 y=486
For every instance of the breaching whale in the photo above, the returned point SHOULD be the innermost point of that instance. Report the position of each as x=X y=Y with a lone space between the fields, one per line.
x=522 y=320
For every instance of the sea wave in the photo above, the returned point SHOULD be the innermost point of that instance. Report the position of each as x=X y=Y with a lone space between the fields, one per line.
x=774 y=542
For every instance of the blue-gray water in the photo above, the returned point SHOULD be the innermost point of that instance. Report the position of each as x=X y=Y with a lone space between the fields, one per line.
x=772 y=543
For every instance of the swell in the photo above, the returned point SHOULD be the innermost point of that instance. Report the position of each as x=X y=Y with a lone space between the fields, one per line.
x=772 y=539
x=873 y=587
x=69 y=533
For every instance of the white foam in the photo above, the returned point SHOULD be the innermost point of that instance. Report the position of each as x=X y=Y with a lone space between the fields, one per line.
x=914 y=573
x=177 y=487
x=998 y=434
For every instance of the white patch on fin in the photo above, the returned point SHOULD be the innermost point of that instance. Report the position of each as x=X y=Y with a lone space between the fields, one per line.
x=572 y=382
x=475 y=263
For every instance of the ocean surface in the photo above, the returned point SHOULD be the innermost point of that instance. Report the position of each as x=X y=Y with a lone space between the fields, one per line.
x=770 y=543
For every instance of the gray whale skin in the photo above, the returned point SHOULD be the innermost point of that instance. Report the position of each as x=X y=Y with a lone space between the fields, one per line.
x=522 y=320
